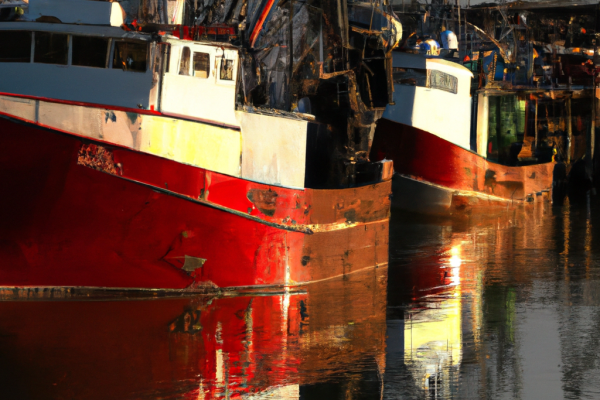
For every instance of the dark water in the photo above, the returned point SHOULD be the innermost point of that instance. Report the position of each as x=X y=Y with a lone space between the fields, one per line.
x=497 y=307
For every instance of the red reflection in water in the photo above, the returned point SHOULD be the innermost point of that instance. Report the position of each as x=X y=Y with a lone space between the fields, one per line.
x=193 y=347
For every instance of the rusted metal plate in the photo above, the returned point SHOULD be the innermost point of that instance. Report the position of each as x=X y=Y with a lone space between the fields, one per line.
x=297 y=207
x=341 y=252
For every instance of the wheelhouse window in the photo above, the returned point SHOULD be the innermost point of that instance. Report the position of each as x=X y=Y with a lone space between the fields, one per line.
x=410 y=76
x=184 y=64
x=168 y=60
x=226 y=70
x=504 y=122
x=51 y=48
x=131 y=56
x=442 y=81
x=15 y=46
x=201 y=65
x=90 y=51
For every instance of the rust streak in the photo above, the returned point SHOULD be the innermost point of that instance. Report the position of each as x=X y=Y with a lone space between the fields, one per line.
x=98 y=158
x=264 y=200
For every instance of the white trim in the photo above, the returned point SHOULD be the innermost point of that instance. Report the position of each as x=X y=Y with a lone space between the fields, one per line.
x=69 y=50
x=32 y=47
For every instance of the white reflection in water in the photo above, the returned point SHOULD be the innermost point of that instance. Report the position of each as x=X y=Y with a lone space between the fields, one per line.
x=455 y=261
x=433 y=343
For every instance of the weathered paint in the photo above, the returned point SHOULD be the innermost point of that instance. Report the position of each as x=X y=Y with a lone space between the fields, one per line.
x=274 y=149
x=423 y=156
x=201 y=145
x=300 y=207
x=340 y=253
x=275 y=156
x=316 y=210
x=70 y=220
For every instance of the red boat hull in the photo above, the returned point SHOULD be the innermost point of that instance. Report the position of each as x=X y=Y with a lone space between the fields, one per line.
x=73 y=218
x=438 y=177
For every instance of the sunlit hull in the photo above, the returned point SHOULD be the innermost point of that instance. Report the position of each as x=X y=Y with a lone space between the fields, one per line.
x=78 y=212
x=434 y=176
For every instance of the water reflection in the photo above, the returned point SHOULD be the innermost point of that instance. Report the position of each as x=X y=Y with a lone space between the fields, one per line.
x=499 y=307
x=502 y=307
x=250 y=346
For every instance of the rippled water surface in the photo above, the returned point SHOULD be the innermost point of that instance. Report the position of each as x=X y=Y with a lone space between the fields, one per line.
x=497 y=307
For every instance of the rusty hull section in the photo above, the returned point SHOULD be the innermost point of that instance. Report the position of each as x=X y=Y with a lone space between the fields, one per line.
x=327 y=255
x=315 y=209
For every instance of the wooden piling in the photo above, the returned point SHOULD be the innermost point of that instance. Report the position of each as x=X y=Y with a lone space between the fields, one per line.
x=569 y=130
x=591 y=139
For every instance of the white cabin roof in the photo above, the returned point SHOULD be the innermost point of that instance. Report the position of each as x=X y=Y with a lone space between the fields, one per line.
x=77 y=11
x=85 y=30
x=418 y=61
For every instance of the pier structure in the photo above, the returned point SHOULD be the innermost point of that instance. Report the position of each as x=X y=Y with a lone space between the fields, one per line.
x=535 y=87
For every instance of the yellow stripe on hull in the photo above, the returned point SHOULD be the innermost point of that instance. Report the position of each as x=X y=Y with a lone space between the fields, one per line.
x=201 y=145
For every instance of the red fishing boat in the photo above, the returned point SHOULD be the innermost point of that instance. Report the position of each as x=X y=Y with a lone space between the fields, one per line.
x=151 y=156
x=445 y=164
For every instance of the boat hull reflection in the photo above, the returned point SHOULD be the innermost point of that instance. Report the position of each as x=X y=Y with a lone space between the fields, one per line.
x=197 y=347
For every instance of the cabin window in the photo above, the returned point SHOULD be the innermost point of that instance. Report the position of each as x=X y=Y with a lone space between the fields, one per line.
x=502 y=127
x=410 y=76
x=201 y=65
x=51 y=48
x=15 y=46
x=184 y=64
x=131 y=56
x=442 y=81
x=507 y=128
x=168 y=61
x=89 y=51
x=226 y=70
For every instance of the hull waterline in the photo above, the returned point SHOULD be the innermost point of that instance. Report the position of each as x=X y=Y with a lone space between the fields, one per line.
x=434 y=176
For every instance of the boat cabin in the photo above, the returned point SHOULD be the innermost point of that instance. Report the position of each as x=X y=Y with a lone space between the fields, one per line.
x=199 y=81
x=75 y=67
x=106 y=65
x=508 y=127
x=432 y=94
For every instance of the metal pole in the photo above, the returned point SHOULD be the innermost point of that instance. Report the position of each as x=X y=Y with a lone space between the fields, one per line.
x=594 y=105
x=459 y=28
x=536 y=124
x=591 y=142
x=569 y=130
x=291 y=53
